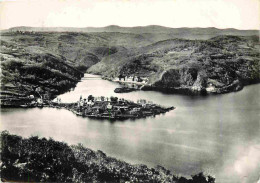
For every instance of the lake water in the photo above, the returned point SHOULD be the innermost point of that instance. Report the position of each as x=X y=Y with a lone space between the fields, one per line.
x=217 y=134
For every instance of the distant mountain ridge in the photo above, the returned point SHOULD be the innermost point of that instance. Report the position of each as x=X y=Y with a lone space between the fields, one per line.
x=140 y=30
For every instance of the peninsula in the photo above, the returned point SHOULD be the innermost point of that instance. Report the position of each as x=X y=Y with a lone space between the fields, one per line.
x=112 y=108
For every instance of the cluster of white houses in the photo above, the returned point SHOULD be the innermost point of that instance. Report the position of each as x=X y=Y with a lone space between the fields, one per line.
x=92 y=100
x=131 y=79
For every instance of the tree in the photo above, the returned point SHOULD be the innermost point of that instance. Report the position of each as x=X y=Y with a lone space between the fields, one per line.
x=90 y=97
x=113 y=99
x=202 y=179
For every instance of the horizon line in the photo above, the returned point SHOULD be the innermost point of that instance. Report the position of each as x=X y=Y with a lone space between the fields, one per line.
x=130 y=27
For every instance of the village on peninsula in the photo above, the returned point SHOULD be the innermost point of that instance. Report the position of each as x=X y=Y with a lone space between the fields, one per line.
x=112 y=108
x=115 y=108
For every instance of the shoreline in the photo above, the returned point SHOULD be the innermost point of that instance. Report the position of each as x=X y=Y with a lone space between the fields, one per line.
x=46 y=160
x=187 y=91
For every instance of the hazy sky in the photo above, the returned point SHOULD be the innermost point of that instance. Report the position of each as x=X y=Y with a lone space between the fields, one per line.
x=240 y=14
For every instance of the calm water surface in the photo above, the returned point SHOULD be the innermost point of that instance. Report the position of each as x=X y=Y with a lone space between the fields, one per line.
x=217 y=134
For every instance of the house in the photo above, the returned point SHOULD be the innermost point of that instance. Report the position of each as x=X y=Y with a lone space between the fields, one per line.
x=130 y=78
x=144 y=80
x=141 y=101
x=132 y=112
x=121 y=109
x=135 y=86
x=107 y=99
x=88 y=110
x=129 y=85
x=210 y=88
x=96 y=109
x=39 y=100
x=121 y=77
x=90 y=103
x=81 y=103
x=117 y=79
x=109 y=106
x=136 y=109
x=98 y=99
x=58 y=100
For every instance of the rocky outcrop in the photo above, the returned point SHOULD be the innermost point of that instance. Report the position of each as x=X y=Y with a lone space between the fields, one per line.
x=184 y=80
x=192 y=81
x=201 y=82
x=177 y=78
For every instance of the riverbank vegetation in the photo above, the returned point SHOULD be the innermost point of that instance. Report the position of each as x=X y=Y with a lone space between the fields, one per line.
x=37 y=159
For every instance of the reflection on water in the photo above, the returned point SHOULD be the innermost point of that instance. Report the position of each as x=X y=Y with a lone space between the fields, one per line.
x=216 y=134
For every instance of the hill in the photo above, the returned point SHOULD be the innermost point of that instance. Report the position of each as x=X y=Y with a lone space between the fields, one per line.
x=54 y=61
x=37 y=159
x=24 y=69
x=218 y=65
x=206 y=58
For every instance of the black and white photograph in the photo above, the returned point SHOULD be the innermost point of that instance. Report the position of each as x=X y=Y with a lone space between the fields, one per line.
x=106 y=91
